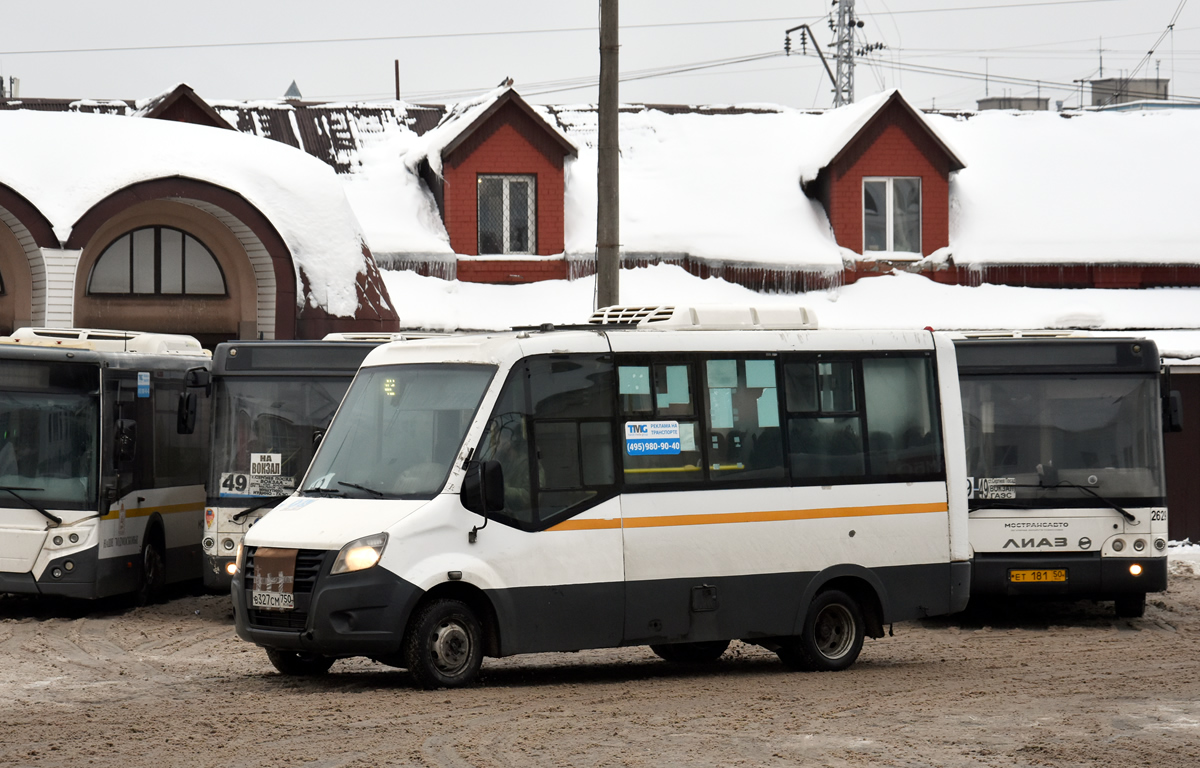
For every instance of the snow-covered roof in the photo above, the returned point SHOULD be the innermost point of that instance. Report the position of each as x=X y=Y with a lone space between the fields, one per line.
x=64 y=164
x=1090 y=188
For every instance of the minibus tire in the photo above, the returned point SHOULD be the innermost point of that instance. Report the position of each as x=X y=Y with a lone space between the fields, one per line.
x=832 y=636
x=691 y=653
x=153 y=583
x=443 y=647
x=1131 y=606
x=299 y=663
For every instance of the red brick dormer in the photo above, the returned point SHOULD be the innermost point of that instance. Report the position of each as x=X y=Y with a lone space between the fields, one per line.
x=892 y=157
x=501 y=194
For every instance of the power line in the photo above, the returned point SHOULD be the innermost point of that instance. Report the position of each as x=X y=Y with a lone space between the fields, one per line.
x=501 y=33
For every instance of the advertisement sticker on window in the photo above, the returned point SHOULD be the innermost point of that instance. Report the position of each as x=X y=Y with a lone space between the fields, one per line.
x=652 y=438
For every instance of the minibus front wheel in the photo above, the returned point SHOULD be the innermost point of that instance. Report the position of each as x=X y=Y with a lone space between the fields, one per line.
x=832 y=636
x=443 y=647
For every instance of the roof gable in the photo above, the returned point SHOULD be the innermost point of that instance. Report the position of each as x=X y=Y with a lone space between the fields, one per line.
x=182 y=105
x=476 y=122
x=880 y=109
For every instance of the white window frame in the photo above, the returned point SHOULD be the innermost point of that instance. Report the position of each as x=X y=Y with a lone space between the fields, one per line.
x=889 y=223
x=531 y=210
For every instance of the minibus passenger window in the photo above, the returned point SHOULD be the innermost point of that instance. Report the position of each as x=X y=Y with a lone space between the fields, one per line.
x=902 y=417
x=745 y=442
x=662 y=443
x=825 y=436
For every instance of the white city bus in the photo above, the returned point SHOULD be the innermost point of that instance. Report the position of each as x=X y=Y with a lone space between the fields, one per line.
x=103 y=461
x=1065 y=459
x=671 y=477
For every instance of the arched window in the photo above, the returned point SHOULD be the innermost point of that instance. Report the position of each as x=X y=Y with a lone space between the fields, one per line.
x=157 y=261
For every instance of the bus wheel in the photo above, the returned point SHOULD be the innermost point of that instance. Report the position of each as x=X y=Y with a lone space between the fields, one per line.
x=154 y=572
x=1131 y=606
x=832 y=636
x=691 y=653
x=299 y=663
x=443 y=647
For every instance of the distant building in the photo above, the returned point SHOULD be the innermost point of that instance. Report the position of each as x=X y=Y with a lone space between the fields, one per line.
x=1019 y=103
x=1120 y=90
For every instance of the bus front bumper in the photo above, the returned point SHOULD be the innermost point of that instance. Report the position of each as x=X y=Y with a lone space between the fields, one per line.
x=1088 y=575
x=350 y=614
x=72 y=575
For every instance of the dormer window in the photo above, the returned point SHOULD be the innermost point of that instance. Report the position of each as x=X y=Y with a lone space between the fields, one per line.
x=507 y=213
x=892 y=214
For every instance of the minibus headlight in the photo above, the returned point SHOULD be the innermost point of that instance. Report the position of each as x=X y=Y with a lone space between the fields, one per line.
x=360 y=553
x=237 y=559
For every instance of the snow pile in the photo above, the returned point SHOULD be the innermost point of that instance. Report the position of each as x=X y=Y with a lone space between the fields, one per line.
x=68 y=162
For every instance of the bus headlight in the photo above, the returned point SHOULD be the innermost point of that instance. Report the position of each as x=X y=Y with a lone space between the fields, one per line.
x=1118 y=545
x=360 y=554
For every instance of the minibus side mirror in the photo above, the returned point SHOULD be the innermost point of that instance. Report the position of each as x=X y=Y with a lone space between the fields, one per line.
x=1173 y=412
x=483 y=487
x=318 y=436
x=185 y=419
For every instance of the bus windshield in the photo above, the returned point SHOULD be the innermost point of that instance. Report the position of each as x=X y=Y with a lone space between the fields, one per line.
x=275 y=416
x=1041 y=440
x=399 y=431
x=49 y=434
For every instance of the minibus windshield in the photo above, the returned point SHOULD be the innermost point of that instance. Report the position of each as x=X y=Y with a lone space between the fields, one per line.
x=398 y=431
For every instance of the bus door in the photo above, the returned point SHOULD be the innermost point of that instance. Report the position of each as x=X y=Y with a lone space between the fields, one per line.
x=701 y=454
x=557 y=541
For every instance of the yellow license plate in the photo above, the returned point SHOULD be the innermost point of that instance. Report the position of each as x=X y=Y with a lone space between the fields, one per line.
x=1052 y=574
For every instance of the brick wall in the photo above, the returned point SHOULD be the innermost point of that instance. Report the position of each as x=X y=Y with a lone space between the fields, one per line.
x=892 y=145
x=510 y=142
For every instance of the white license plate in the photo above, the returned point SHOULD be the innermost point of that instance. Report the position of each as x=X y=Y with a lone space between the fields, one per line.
x=283 y=601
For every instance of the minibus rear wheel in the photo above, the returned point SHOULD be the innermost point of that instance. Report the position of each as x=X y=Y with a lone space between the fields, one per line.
x=832 y=636
x=443 y=647
x=691 y=653
x=299 y=663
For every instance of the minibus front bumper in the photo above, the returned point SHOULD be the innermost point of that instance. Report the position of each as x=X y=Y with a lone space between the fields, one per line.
x=350 y=614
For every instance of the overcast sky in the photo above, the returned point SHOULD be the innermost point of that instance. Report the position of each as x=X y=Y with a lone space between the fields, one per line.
x=253 y=49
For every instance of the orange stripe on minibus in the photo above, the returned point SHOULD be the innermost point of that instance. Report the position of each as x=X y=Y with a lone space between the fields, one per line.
x=659 y=521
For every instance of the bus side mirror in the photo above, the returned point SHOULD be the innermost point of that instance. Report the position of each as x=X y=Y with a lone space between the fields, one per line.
x=483 y=487
x=185 y=419
x=1173 y=412
x=198 y=378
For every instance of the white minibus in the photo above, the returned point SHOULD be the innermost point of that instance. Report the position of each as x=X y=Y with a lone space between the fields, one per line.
x=677 y=477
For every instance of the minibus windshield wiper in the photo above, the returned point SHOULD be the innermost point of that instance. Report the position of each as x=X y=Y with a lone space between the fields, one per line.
x=360 y=487
x=13 y=490
x=255 y=507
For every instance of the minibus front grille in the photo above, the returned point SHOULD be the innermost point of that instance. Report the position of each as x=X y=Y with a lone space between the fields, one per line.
x=309 y=563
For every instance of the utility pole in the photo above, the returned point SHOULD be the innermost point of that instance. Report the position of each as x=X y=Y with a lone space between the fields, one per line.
x=843 y=40
x=608 y=207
